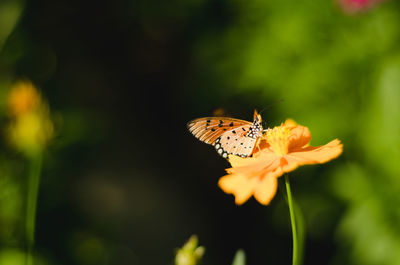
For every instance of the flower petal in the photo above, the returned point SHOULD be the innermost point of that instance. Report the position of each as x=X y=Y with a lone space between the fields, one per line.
x=315 y=155
x=239 y=185
x=290 y=123
x=237 y=161
x=288 y=164
x=299 y=137
x=263 y=161
x=266 y=189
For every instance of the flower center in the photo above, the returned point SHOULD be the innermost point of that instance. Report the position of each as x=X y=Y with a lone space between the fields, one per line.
x=278 y=139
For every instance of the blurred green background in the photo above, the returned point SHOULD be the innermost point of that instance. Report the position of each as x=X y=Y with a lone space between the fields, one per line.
x=124 y=182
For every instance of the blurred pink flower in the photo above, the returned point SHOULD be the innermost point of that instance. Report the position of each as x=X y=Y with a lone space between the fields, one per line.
x=355 y=6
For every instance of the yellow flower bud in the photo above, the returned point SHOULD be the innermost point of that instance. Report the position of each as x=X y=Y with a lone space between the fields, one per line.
x=23 y=98
x=190 y=253
x=30 y=126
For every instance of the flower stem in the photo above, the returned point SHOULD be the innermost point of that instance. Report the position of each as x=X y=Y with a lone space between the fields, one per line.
x=33 y=189
x=293 y=222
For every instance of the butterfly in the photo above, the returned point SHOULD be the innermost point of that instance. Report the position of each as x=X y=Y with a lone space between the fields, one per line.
x=228 y=135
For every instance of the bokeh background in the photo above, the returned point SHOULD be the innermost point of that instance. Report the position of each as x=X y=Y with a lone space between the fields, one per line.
x=124 y=182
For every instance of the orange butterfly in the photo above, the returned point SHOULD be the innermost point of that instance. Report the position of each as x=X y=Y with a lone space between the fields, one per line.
x=228 y=135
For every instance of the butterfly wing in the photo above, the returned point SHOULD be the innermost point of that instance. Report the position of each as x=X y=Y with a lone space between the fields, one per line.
x=210 y=128
x=236 y=142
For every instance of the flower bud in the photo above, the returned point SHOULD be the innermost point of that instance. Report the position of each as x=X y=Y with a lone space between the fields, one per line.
x=30 y=127
x=190 y=253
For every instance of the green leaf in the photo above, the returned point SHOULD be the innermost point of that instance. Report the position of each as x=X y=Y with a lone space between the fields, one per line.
x=240 y=258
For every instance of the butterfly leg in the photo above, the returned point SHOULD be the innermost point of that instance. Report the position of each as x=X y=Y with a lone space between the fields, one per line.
x=256 y=148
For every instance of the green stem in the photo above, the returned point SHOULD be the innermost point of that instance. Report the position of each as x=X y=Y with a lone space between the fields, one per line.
x=293 y=222
x=33 y=189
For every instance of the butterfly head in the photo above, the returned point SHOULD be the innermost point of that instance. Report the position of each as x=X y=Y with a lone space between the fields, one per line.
x=257 y=117
x=256 y=128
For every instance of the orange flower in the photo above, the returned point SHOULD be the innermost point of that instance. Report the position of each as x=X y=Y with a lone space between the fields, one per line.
x=282 y=149
x=30 y=127
x=23 y=98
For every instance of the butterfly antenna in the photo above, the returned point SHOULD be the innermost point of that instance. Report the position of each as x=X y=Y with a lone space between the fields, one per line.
x=272 y=104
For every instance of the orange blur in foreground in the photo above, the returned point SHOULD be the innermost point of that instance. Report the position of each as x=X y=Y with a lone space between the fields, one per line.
x=23 y=98
x=282 y=149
